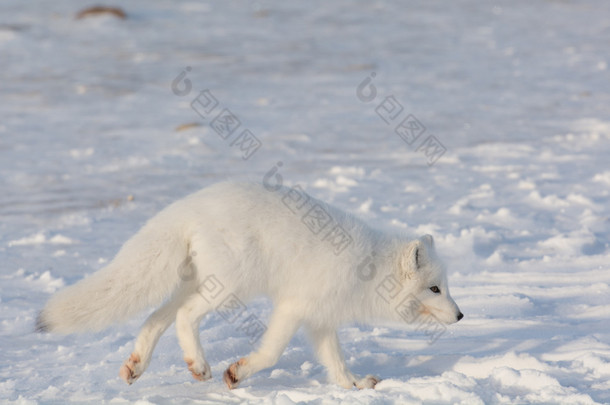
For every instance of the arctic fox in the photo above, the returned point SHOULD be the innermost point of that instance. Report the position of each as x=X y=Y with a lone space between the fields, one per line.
x=232 y=242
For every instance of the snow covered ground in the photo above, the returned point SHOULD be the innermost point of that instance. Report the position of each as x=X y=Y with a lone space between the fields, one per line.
x=94 y=139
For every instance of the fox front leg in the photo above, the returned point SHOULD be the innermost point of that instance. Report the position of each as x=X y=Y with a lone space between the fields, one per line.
x=328 y=350
x=282 y=326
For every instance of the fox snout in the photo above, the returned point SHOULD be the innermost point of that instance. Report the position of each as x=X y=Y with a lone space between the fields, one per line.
x=457 y=318
x=445 y=309
x=442 y=314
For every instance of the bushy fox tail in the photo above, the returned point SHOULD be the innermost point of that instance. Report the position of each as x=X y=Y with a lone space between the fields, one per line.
x=144 y=272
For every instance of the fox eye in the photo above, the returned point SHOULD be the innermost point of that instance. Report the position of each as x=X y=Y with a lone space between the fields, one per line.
x=435 y=290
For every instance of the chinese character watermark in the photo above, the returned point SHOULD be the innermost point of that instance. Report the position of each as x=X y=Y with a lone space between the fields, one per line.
x=225 y=123
x=227 y=305
x=410 y=309
x=406 y=126
x=312 y=213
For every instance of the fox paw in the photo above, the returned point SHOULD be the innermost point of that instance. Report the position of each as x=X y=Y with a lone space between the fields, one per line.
x=200 y=370
x=367 y=382
x=231 y=375
x=131 y=369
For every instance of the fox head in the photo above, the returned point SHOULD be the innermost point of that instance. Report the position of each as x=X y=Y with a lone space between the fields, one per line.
x=423 y=278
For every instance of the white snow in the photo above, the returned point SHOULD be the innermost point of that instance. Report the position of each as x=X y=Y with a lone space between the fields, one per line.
x=40 y=239
x=94 y=140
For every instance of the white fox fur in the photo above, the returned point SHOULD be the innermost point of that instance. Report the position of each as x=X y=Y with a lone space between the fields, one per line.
x=249 y=240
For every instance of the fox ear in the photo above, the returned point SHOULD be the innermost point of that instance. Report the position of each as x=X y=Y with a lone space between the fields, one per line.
x=428 y=239
x=410 y=260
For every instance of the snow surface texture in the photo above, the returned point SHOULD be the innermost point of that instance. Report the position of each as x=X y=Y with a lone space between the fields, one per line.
x=93 y=141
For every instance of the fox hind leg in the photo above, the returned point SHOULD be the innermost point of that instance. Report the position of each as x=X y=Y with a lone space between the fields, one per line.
x=188 y=318
x=151 y=331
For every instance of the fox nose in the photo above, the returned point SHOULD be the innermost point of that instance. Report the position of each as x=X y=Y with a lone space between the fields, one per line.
x=460 y=316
